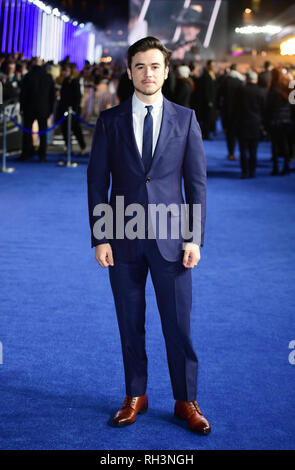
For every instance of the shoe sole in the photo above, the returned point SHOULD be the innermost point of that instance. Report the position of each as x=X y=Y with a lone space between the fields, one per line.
x=121 y=425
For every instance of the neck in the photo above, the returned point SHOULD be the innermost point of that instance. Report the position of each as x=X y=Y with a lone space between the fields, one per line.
x=148 y=99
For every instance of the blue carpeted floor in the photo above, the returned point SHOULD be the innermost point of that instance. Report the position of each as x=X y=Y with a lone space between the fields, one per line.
x=62 y=372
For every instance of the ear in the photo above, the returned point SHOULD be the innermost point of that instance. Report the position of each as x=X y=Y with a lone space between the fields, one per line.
x=166 y=72
x=129 y=73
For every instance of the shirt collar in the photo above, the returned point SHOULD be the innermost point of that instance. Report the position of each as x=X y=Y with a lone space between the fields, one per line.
x=139 y=106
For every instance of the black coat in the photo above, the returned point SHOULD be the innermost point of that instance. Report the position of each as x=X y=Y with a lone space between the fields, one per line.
x=183 y=91
x=264 y=78
x=37 y=94
x=168 y=89
x=227 y=99
x=196 y=97
x=250 y=110
x=70 y=95
x=278 y=110
x=208 y=88
x=208 y=93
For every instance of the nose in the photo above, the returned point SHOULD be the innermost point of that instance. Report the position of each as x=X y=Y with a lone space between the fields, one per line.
x=148 y=72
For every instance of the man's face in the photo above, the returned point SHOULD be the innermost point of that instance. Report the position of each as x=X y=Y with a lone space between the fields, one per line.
x=190 y=32
x=148 y=71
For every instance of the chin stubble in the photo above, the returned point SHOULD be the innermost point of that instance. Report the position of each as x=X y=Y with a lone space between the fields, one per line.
x=147 y=93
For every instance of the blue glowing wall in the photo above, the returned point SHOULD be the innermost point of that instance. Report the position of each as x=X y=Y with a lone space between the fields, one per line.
x=26 y=28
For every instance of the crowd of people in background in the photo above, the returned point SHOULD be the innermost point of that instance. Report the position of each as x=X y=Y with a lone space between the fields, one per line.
x=251 y=104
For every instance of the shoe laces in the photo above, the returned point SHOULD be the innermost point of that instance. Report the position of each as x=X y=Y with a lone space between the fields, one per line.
x=194 y=406
x=129 y=402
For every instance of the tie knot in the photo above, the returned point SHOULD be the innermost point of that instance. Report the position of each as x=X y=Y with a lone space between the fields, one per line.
x=149 y=109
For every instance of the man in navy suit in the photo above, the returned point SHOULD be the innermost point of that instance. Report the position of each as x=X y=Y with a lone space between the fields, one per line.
x=149 y=146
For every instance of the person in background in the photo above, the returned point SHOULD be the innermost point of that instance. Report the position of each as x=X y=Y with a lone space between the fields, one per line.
x=279 y=119
x=227 y=101
x=168 y=89
x=88 y=85
x=70 y=95
x=196 y=96
x=184 y=86
x=265 y=76
x=37 y=99
x=125 y=87
x=250 y=112
x=208 y=93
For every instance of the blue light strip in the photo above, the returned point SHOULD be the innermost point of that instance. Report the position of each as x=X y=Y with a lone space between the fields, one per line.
x=27 y=32
x=35 y=31
x=11 y=22
x=39 y=33
x=31 y=30
x=22 y=24
x=4 y=30
x=16 y=31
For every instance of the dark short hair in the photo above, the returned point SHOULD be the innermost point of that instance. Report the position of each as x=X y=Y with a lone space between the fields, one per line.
x=146 y=44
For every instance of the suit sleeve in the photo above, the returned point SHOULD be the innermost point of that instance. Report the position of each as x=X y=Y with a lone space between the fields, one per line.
x=195 y=178
x=98 y=176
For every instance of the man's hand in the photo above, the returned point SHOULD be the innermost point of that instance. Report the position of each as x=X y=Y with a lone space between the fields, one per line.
x=191 y=255
x=104 y=255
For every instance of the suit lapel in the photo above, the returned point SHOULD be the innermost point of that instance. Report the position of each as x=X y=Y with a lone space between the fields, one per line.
x=166 y=130
x=127 y=131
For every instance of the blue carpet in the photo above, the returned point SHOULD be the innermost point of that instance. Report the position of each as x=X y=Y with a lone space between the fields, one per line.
x=62 y=372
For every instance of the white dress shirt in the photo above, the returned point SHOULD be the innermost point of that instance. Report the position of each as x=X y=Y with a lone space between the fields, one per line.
x=139 y=112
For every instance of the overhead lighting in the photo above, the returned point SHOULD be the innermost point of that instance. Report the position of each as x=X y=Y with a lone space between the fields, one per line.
x=248 y=11
x=56 y=12
x=251 y=29
x=106 y=59
x=81 y=25
x=65 y=18
x=75 y=23
x=288 y=47
x=41 y=5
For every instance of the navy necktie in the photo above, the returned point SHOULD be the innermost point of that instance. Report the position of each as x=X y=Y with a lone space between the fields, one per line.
x=147 y=141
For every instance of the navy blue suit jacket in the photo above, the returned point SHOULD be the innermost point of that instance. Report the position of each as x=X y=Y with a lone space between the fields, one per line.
x=178 y=157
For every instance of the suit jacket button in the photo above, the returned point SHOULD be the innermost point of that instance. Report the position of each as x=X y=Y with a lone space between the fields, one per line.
x=148 y=180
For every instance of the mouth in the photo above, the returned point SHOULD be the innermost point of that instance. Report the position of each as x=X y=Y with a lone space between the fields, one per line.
x=148 y=83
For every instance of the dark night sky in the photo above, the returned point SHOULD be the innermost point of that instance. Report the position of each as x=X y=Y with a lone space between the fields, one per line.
x=104 y=12
x=100 y=12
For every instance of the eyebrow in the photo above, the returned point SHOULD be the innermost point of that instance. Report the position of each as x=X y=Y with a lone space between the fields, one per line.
x=141 y=63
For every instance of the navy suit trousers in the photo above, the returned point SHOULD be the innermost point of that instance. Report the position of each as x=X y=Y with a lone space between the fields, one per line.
x=173 y=287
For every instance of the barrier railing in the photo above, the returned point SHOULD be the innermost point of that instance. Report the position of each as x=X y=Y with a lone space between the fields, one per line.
x=67 y=114
x=4 y=168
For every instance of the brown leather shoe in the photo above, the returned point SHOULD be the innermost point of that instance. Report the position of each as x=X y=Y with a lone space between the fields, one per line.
x=190 y=411
x=131 y=406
